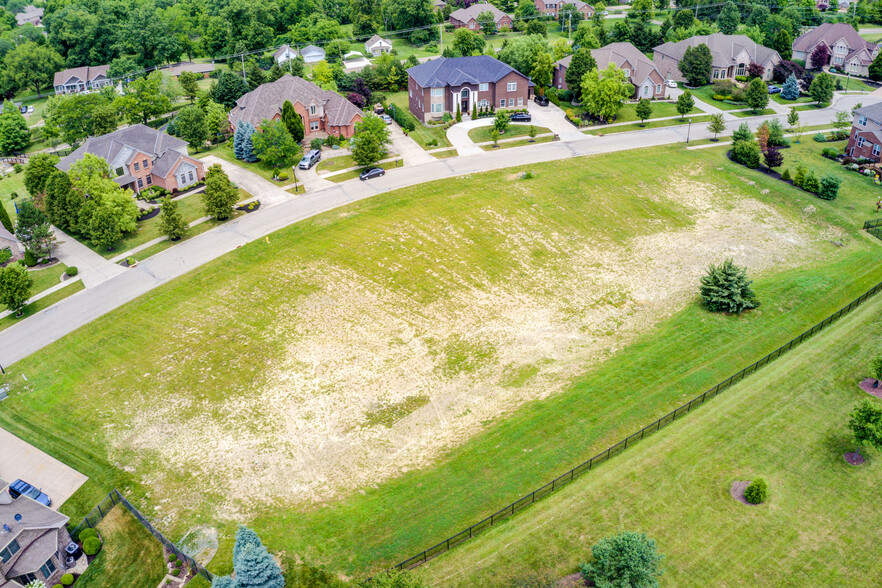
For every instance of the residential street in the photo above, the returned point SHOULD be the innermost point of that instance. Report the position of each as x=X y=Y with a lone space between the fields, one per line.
x=282 y=209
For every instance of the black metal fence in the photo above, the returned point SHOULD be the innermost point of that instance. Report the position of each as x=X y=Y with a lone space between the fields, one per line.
x=604 y=455
x=114 y=498
x=872 y=224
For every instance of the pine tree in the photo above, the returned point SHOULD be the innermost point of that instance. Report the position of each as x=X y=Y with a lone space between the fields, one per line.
x=171 y=221
x=5 y=220
x=256 y=568
x=245 y=537
x=292 y=121
x=726 y=288
x=223 y=582
x=248 y=145
x=790 y=91
x=237 y=140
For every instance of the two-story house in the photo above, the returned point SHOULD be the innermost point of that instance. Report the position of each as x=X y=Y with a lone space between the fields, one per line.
x=32 y=542
x=848 y=50
x=140 y=157
x=441 y=85
x=552 y=7
x=730 y=56
x=866 y=133
x=468 y=17
x=647 y=80
x=81 y=79
x=323 y=112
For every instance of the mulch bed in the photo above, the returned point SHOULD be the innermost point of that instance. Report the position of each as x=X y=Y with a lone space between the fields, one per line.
x=867 y=386
x=244 y=207
x=151 y=214
x=854 y=459
x=737 y=492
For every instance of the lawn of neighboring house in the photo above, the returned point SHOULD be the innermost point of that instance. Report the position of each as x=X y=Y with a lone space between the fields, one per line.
x=225 y=152
x=44 y=279
x=608 y=130
x=422 y=134
x=9 y=185
x=801 y=100
x=749 y=113
x=706 y=94
x=520 y=143
x=332 y=164
x=853 y=84
x=45 y=302
x=482 y=134
x=342 y=177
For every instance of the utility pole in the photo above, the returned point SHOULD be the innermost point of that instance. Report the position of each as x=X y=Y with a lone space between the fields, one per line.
x=570 y=28
x=441 y=37
x=244 y=77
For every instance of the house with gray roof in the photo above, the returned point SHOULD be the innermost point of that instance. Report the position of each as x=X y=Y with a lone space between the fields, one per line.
x=32 y=542
x=30 y=15
x=730 y=54
x=377 y=45
x=312 y=54
x=323 y=112
x=81 y=79
x=285 y=53
x=848 y=50
x=9 y=241
x=140 y=157
x=641 y=71
x=468 y=17
x=865 y=139
x=441 y=85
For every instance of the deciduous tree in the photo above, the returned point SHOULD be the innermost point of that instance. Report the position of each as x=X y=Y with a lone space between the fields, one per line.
x=15 y=287
x=643 y=110
x=171 y=221
x=467 y=42
x=717 y=124
x=190 y=126
x=696 y=65
x=757 y=94
x=821 y=89
x=273 y=144
x=370 y=141
x=729 y=19
x=32 y=66
x=37 y=172
x=219 y=195
x=685 y=103
x=143 y=99
x=865 y=423
x=33 y=230
x=604 y=92
x=14 y=134
x=542 y=71
x=188 y=81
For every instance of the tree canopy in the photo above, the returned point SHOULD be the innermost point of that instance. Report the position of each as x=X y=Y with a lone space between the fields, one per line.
x=605 y=92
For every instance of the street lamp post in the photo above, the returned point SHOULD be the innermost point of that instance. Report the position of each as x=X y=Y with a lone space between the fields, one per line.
x=688 y=131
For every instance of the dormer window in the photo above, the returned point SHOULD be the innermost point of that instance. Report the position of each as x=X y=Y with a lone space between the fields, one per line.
x=312 y=109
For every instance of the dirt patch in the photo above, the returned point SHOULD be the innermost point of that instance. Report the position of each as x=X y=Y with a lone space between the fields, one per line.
x=737 y=492
x=373 y=384
x=854 y=458
x=572 y=581
x=867 y=386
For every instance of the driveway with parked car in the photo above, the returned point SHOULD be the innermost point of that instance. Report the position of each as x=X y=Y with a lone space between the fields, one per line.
x=21 y=461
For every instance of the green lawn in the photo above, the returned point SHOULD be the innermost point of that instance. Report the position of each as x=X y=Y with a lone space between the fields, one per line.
x=786 y=423
x=445 y=154
x=225 y=152
x=45 y=302
x=46 y=278
x=706 y=94
x=482 y=134
x=659 y=110
x=342 y=177
x=519 y=143
x=131 y=556
x=332 y=164
x=608 y=130
x=801 y=100
x=9 y=185
x=852 y=84
x=749 y=113
x=422 y=134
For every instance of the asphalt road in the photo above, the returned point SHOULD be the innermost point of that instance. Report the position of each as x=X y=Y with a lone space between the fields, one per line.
x=31 y=335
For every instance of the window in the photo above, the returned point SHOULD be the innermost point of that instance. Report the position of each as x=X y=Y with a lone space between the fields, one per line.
x=862 y=121
x=9 y=551
x=437 y=91
x=483 y=87
x=144 y=164
x=47 y=568
x=119 y=171
x=471 y=24
x=512 y=86
x=740 y=70
x=313 y=125
x=860 y=142
x=312 y=109
x=183 y=180
x=190 y=174
x=136 y=166
x=409 y=93
x=25 y=579
x=140 y=183
x=437 y=107
x=149 y=180
x=658 y=89
x=876 y=149
x=520 y=101
x=627 y=72
x=502 y=103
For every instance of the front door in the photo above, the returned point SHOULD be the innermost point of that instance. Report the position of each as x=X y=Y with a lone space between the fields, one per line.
x=464 y=100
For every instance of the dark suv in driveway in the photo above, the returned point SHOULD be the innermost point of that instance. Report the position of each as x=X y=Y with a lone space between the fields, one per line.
x=541 y=100
x=22 y=488
x=520 y=117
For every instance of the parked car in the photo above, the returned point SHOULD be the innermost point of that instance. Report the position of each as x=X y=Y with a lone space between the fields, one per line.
x=22 y=488
x=374 y=172
x=378 y=109
x=670 y=83
x=310 y=159
x=520 y=117
x=541 y=100
x=386 y=118
x=774 y=90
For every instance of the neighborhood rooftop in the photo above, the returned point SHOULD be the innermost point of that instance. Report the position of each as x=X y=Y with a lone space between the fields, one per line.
x=472 y=12
x=830 y=32
x=455 y=71
x=135 y=139
x=724 y=48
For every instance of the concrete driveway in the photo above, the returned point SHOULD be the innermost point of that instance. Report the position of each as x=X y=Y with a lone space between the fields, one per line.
x=19 y=459
x=268 y=193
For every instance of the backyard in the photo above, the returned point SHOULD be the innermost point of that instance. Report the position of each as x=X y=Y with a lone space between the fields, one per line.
x=462 y=341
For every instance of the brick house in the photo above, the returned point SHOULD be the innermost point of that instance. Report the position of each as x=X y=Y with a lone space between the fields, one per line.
x=865 y=139
x=730 y=56
x=468 y=17
x=848 y=50
x=32 y=542
x=438 y=86
x=323 y=112
x=140 y=157
x=81 y=79
x=647 y=80
x=552 y=7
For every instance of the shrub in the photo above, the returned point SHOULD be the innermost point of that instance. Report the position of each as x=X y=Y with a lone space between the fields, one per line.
x=757 y=492
x=57 y=586
x=18 y=167
x=747 y=153
x=786 y=175
x=820 y=137
x=830 y=152
x=67 y=580
x=316 y=143
x=173 y=557
x=276 y=172
x=811 y=184
x=283 y=176
x=91 y=546
x=799 y=178
x=5 y=254
x=131 y=260
x=71 y=271
x=626 y=559
x=86 y=533
x=565 y=95
x=30 y=259
x=828 y=187
x=726 y=288
x=176 y=572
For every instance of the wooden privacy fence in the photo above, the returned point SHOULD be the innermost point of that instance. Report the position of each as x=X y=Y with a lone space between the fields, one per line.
x=604 y=455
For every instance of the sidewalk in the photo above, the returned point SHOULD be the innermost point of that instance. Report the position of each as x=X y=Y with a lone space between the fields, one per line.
x=45 y=293
x=92 y=268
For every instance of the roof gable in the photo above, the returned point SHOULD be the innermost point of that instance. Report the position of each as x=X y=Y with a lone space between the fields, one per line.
x=129 y=140
x=453 y=71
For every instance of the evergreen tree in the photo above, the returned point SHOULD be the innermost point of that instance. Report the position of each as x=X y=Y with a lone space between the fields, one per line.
x=581 y=63
x=876 y=68
x=742 y=133
x=292 y=121
x=248 y=144
x=5 y=220
x=783 y=44
x=729 y=19
x=223 y=582
x=238 y=138
x=219 y=195
x=14 y=134
x=171 y=221
x=696 y=65
x=33 y=230
x=245 y=537
x=624 y=560
x=229 y=88
x=790 y=90
x=256 y=568
x=726 y=288
x=38 y=171
x=15 y=287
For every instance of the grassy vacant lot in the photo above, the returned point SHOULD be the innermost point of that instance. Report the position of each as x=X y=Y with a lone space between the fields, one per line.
x=482 y=134
x=407 y=326
x=787 y=424
x=131 y=556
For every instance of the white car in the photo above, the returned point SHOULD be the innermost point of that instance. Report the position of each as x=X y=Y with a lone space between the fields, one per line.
x=386 y=118
x=670 y=83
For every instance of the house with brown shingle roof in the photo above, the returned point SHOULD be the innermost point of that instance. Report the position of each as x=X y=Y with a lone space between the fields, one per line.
x=32 y=542
x=646 y=78
x=81 y=79
x=552 y=7
x=140 y=157
x=848 y=50
x=730 y=56
x=865 y=139
x=468 y=17
x=323 y=112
